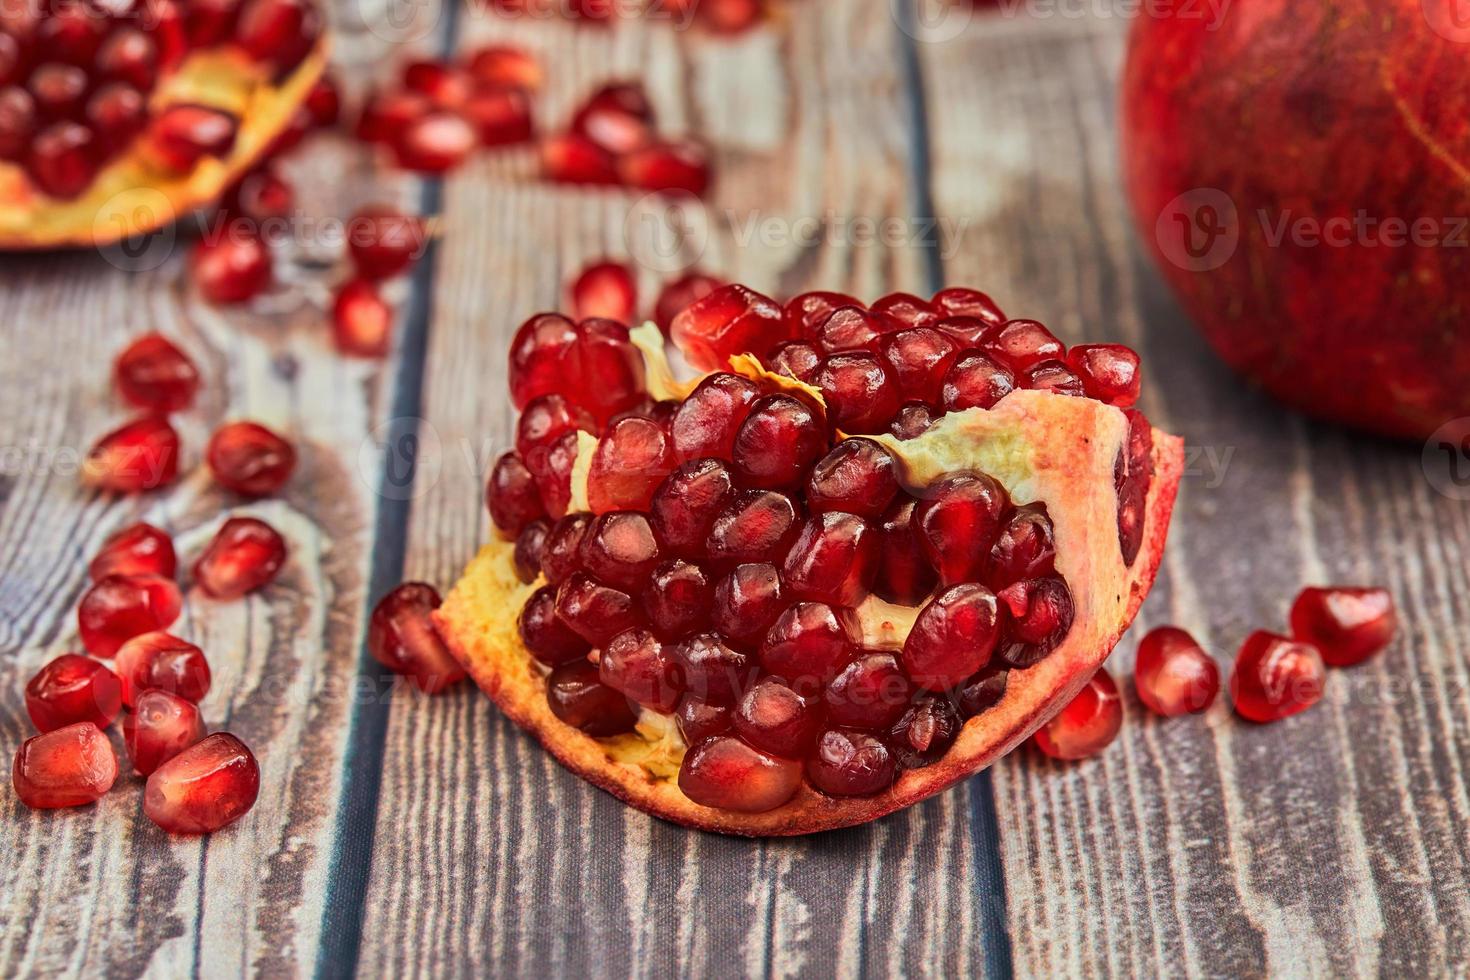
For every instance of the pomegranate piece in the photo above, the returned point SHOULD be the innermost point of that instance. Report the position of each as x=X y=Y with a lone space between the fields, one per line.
x=795 y=359
x=563 y=552
x=925 y=733
x=680 y=166
x=871 y=693
x=121 y=607
x=810 y=642
x=636 y=664
x=250 y=459
x=71 y=766
x=698 y=721
x=1041 y=612
x=581 y=700
x=550 y=640
x=183 y=135
x=259 y=196
x=957 y=524
x=706 y=423
x=833 y=559
x=384 y=242
x=962 y=301
x=1346 y=625
x=857 y=477
x=632 y=459
x=1275 y=677
x=904 y=574
x=617 y=117
x=530 y=544
x=595 y=611
x=1021 y=344
x=778 y=442
x=850 y=763
x=500 y=116
x=160 y=726
x=686 y=504
x=63 y=160
x=604 y=289
x=747 y=601
x=73 y=689
x=912 y=421
x=677 y=600
x=159 y=660
x=153 y=374
x=1026 y=548
x=774 y=718
x=852 y=328
x=726 y=773
x=620 y=550
x=402 y=638
x=362 y=320
x=918 y=359
x=505 y=65
x=1087 y=725
x=141 y=455
x=138 y=549
x=953 y=637
x=1052 y=376
x=713 y=671
x=1173 y=674
x=861 y=395
x=1109 y=372
x=572 y=159
x=975 y=381
x=246 y=554
x=436 y=143
x=755 y=526
x=205 y=787
x=679 y=295
x=907 y=309
x=234 y=267
x=512 y=495
x=731 y=320
x=280 y=33
x=385 y=115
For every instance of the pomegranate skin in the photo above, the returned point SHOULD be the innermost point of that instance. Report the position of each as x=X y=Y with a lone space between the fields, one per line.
x=1334 y=110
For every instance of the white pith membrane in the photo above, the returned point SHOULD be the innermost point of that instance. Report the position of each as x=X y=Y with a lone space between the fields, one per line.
x=1042 y=447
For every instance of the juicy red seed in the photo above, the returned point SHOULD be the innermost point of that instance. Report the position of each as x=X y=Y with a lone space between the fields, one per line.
x=114 y=112
x=552 y=472
x=324 y=102
x=605 y=289
x=637 y=665
x=545 y=420
x=121 y=607
x=385 y=115
x=71 y=34
x=686 y=504
x=234 y=267
x=141 y=455
x=960 y=301
x=677 y=600
x=530 y=544
x=1275 y=677
x=870 y=693
x=1041 y=613
x=975 y=381
x=1347 y=625
x=604 y=371
x=260 y=196
x=632 y=459
x=71 y=689
x=138 y=549
x=402 y=637
x=918 y=359
x=698 y=721
x=183 y=135
x=159 y=660
x=362 y=320
x=982 y=692
x=778 y=442
x=725 y=773
x=857 y=477
x=246 y=554
x=925 y=733
x=861 y=395
x=17 y=122
x=154 y=374
x=1026 y=547
x=58 y=90
x=572 y=159
x=160 y=726
x=620 y=550
x=1052 y=376
x=1023 y=343
x=436 y=143
x=807 y=312
x=912 y=421
x=851 y=328
x=501 y=64
x=850 y=763
x=833 y=559
x=445 y=85
x=71 y=766
x=1109 y=372
x=679 y=295
x=776 y=719
x=279 y=32
x=383 y=242
x=907 y=309
x=731 y=320
x=595 y=611
x=563 y=552
x=617 y=117
x=953 y=637
x=500 y=117
x=681 y=166
x=512 y=495
x=205 y=787
x=966 y=331
x=795 y=359
x=1088 y=724
x=957 y=523
x=714 y=672
x=755 y=526
x=747 y=602
x=904 y=574
x=706 y=423
x=550 y=640
x=809 y=642
x=1173 y=674
x=1133 y=473
x=250 y=459
x=63 y=160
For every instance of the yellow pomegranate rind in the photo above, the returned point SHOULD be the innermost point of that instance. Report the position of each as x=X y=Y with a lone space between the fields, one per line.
x=130 y=195
x=1042 y=447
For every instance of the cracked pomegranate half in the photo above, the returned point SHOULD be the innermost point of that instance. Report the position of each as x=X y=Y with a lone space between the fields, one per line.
x=755 y=605
x=117 y=118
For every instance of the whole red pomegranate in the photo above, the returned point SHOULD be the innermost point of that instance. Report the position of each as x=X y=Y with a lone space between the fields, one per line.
x=1302 y=171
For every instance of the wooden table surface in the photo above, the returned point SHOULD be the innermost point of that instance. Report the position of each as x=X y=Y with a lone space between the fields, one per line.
x=861 y=146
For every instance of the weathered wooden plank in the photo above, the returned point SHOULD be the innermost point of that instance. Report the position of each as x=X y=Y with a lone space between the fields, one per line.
x=1334 y=842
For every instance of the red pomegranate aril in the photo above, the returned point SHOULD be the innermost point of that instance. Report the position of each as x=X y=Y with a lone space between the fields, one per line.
x=677 y=600
x=680 y=166
x=707 y=422
x=1275 y=677
x=505 y=65
x=384 y=242
x=832 y=560
x=595 y=611
x=280 y=33
x=617 y=117
x=967 y=332
x=810 y=642
x=1109 y=372
x=698 y=720
x=121 y=607
x=1087 y=725
x=159 y=660
x=620 y=550
x=957 y=523
x=512 y=495
x=1173 y=674
x=563 y=552
x=850 y=763
x=115 y=112
x=975 y=381
x=725 y=773
x=530 y=544
x=1026 y=548
x=436 y=143
x=747 y=602
x=1346 y=625
x=731 y=320
x=362 y=320
x=233 y=267
x=953 y=637
x=141 y=455
x=1041 y=614
x=153 y=373
x=324 y=102
x=962 y=301
x=182 y=135
x=444 y=85
x=260 y=195
x=755 y=526
x=904 y=574
x=778 y=442
x=71 y=766
x=1020 y=344
x=912 y=421
x=713 y=671
x=246 y=554
x=12 y=65
x=250 y=459
x=925 y=733
x=71 y=34
x=806 y=313
x=160 y=726
x=861 y=396
x=605 y=289
x=545 y=420
x=572 y=159
x=402 y=637
x=208 y=23
x=138 y=549
x=131 y=56
x=851 y=328
x=603 y=369
x=1132 y=475
x=631 y=461
x=17 y=122
x=870 y=693
x=387 y=114
x=73 y=689
x=59 y=90
x=776 y=719
x=63 y=160
x=795 y=359
x=982 y=692
x=1052 y=376
x=205 y=787
x=918 y=359
x=907 y=309
x=636 y=664
x=550 y=640
x=686 y=504
x=857 y=477
x=579 y=698
x=679 y=295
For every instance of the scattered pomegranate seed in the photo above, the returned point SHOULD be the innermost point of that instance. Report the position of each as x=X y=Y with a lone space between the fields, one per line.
x=1173 y=674
x=618 y=118
x=402 y=637
x=679 y=295
x=138 y=549
x=71 y=766
x=250 y=459
x=573 y=159
x=154 y=374
x=384 y=242
x=260 y=195
x=183 y=135
x=385 y=115
x=232 y=268
x=731 y=320
x=436 y=143
x=72 y=689
x=851 y=763
x=957 y=524
x=160 y=726
x=636 y=665
x=121 y=607
x=141 y=455
x=444 y=85
x=725 y=773
x=682 y=166
x=324 y=102
x=632 y=459
x=953 y=637
x=501 y=117
x=159 y=660
x=1275 y=677
x=205 y=787
x=1088 y=724
x=246 y=554
x=1109 y=372
x=579 y=698
x=505 y=65
x=1346 y=625
x=362 y=321
x=605 y=289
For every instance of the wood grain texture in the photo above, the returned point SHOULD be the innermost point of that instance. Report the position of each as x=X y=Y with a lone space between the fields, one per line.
x=1334 y=843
